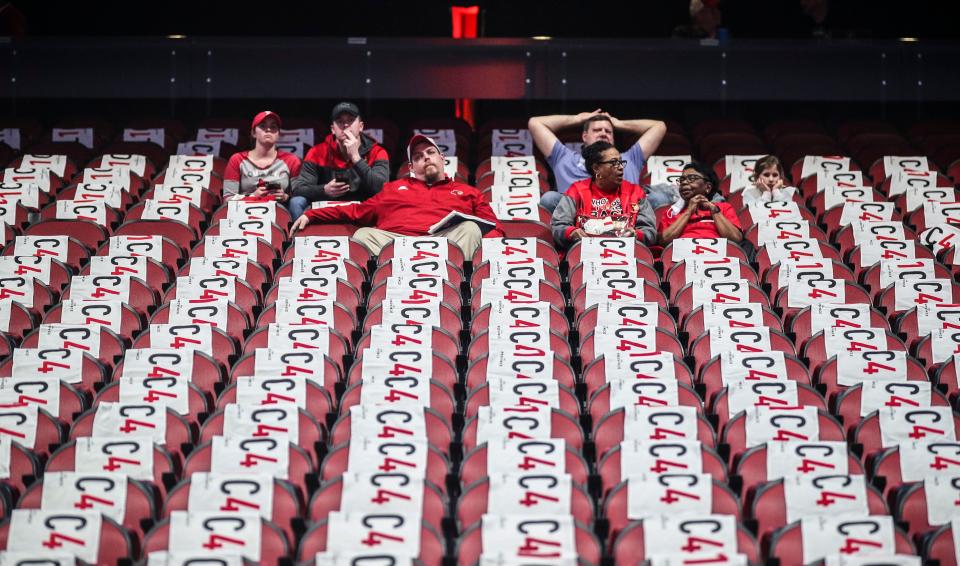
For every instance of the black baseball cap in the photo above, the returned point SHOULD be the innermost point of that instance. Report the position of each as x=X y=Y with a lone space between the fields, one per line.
x=348 y=107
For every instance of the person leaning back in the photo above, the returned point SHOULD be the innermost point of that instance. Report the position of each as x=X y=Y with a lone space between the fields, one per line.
x=412 y=205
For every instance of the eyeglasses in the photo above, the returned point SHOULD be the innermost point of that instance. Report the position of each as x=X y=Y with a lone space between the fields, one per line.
x=689 y=179
x=614 y=162
x=268 y=127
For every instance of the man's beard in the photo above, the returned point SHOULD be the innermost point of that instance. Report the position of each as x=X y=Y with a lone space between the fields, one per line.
x=431 y=176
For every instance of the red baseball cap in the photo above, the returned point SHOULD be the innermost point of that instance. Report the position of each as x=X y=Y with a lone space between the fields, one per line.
x=261 y=116
x=420 y=138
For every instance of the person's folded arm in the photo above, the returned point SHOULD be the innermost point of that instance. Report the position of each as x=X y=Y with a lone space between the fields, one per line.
x=307 y=184
x=544 y=129
x=372 y=177
x=646 y=223
x=727 y=227
x=563 y=222
x=363 y=214
x=651 y=133
x=675 y=230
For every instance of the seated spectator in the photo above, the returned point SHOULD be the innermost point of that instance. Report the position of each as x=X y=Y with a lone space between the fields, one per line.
x=604 y=203
x=693 y=215
x=768 y=182
x=567 y=164
x=411 y=205
x=346 y=165
x=264 y=171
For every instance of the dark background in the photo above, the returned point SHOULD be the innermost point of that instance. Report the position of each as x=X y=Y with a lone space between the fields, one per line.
x=499 y=18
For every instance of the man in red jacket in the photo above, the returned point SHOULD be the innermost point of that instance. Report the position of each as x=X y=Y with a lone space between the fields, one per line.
x=410 y=206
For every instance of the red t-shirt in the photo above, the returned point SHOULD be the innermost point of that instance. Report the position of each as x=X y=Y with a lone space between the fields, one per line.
x=591 y=201
x=701 y=224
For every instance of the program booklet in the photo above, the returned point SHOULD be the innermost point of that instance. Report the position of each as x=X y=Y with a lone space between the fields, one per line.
x=456 y=217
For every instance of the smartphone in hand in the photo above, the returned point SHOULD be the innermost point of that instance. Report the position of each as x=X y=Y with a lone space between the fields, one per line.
x=341 y=177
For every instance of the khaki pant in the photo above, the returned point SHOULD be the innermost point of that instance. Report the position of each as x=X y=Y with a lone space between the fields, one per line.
x=467 y=235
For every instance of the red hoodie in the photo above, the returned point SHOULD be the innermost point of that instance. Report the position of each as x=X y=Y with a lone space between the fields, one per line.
x=410 y=207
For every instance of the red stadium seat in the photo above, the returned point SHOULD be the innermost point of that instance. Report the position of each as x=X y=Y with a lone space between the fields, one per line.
x=711 y=375
x=386 y=269
x=286 y=504
x=449 y=318
x=237 y=320
x=443 y=371
x=477 y=372
x=178 y=433
x=787 y=545
x=480 y=397
x=274 y=546
x=694 y=325
x=611 y=472
x=469 y=547
x=734 y=433
x=616 y=502
x=608 y=432
x=868 y=432
x=807 y=396
x=311 y=432
x=431 y=544
x=476 y=466
x=752 y=468
x=336 y=462
x=544 y=249
x=827 y=376
x=769 y=507
x=328 y=498
x=88 y=233
x=480 y=321
x=646 y=393
x=941 y=548
x=802 y=329
x=344 y=321
x=64 y=459
x=114 y=545
x=595 y=373
x=441 y=398
x=629 y=337
x=178 y=232
x=92 y=371
x=169 y=254
x=224 y=349
x=629 y=549
x=138 y=507
x=562 y=425
x=439 y=432
x=474 y=503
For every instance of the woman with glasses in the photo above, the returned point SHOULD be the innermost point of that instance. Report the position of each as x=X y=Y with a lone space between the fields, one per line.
x=693 y=215
x=604 y=204
x=264 y=172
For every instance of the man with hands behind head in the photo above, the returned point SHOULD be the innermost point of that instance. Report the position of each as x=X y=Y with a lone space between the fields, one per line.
x=567 y=164
x=346 y=165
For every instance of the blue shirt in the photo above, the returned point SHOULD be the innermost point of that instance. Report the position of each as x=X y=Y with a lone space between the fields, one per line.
x=568 y=166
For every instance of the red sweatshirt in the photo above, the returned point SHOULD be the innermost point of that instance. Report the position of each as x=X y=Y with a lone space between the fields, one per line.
x=409 y=206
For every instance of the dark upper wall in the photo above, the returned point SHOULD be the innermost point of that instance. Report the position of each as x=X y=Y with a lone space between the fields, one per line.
x=273 y=68
x=500 y=18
